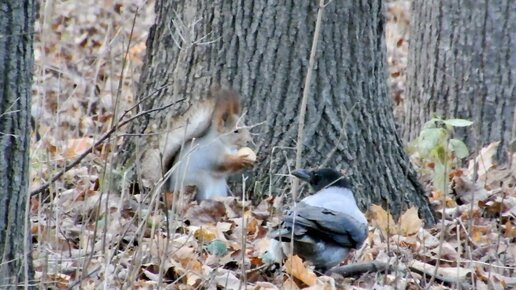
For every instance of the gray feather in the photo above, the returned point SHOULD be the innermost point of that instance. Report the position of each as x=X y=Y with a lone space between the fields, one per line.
x=324 y=236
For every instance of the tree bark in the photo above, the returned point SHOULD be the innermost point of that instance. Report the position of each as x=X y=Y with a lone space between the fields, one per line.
x=16 y=62
x=262 y=48
x=461 y=65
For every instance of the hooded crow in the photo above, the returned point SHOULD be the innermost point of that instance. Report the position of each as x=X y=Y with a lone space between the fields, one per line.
x=326 y=224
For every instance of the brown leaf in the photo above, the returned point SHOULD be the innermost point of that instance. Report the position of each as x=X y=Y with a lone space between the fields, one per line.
x=75 y=147
x=290 y=284
x=409 y=222
x=295 y=267
x=492 y=207
x=252 y=225
x=478 y=233
x=62 y=281
x=194 y=271
x=509 y=230
x=209 y=211
x=34 y=204
x=382 y=220
x=51 y=148
x=255 y=261
x=485 y=160
x=204 y=235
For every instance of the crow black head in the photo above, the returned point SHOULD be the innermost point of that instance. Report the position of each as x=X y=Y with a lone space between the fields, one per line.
x=321 y=178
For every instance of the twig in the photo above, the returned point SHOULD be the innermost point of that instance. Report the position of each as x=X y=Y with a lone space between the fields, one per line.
x=456 y=275
x=442 y=233
x=500 y=234
x=259 y=268
x=7 y=112
x=360 y=268
x=306 y=91
x=124 y=64
x=102 y=139
x=243 y=279
x=78 y=281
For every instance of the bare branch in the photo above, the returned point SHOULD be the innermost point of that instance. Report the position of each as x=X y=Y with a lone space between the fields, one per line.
x=306 y=91
x=360 y=268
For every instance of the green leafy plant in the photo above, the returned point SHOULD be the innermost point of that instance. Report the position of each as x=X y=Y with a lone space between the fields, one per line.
x=436 y=147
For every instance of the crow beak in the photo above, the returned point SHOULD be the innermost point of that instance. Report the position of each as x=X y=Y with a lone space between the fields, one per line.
x=302 y=174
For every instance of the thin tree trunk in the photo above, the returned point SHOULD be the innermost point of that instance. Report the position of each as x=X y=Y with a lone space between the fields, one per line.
x=16 y=62
x=261 y=48
x=462 y=65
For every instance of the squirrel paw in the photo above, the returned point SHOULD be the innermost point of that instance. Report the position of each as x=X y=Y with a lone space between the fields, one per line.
x=235 y=163
x=246 y=161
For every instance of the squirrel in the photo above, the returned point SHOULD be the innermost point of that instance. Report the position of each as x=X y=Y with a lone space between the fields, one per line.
x=208 y=160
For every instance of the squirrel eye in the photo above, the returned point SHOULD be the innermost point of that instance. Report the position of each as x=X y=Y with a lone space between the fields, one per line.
x=236 y=131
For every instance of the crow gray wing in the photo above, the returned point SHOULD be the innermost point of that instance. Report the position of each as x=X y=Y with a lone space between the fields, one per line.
x=326 y=224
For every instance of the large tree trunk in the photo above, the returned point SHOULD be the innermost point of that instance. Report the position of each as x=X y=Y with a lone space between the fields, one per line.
x=16 y=62
x=461 y=64
x=261 y=48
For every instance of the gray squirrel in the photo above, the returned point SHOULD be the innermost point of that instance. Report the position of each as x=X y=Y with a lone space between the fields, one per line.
x=206 y=161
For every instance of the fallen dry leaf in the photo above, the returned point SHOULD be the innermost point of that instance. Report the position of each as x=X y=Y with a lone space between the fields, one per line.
x=193 y=271
x=184 y=253
x=73 y=97
x=478 y=233
x=266 y=286
x=209 y=211
x=323 y=283
x=509 y=229
x=75 y=147
x=227 y=280
x=203 y=235
x=223 y=227
x=290 y=285
x=382 y=220
x=295 y=267
x=485 y=160
x=409 y=222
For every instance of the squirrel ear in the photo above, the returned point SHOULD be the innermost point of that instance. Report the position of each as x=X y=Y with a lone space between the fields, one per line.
x=225 y=117
x=223 y=120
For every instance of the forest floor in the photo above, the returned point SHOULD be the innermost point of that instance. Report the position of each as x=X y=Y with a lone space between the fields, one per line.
x=86 y=237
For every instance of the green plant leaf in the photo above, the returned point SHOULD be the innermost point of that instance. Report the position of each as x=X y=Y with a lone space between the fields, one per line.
x=430 y=138
x=460 y=149
x=430 y=124
x=440 y=178
x=458 y=122
x=440 y=153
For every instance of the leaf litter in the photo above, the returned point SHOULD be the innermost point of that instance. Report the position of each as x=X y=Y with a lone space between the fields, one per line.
x=85 y=236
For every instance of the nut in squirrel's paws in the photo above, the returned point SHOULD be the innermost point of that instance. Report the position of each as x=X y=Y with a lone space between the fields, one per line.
x=247 y=153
